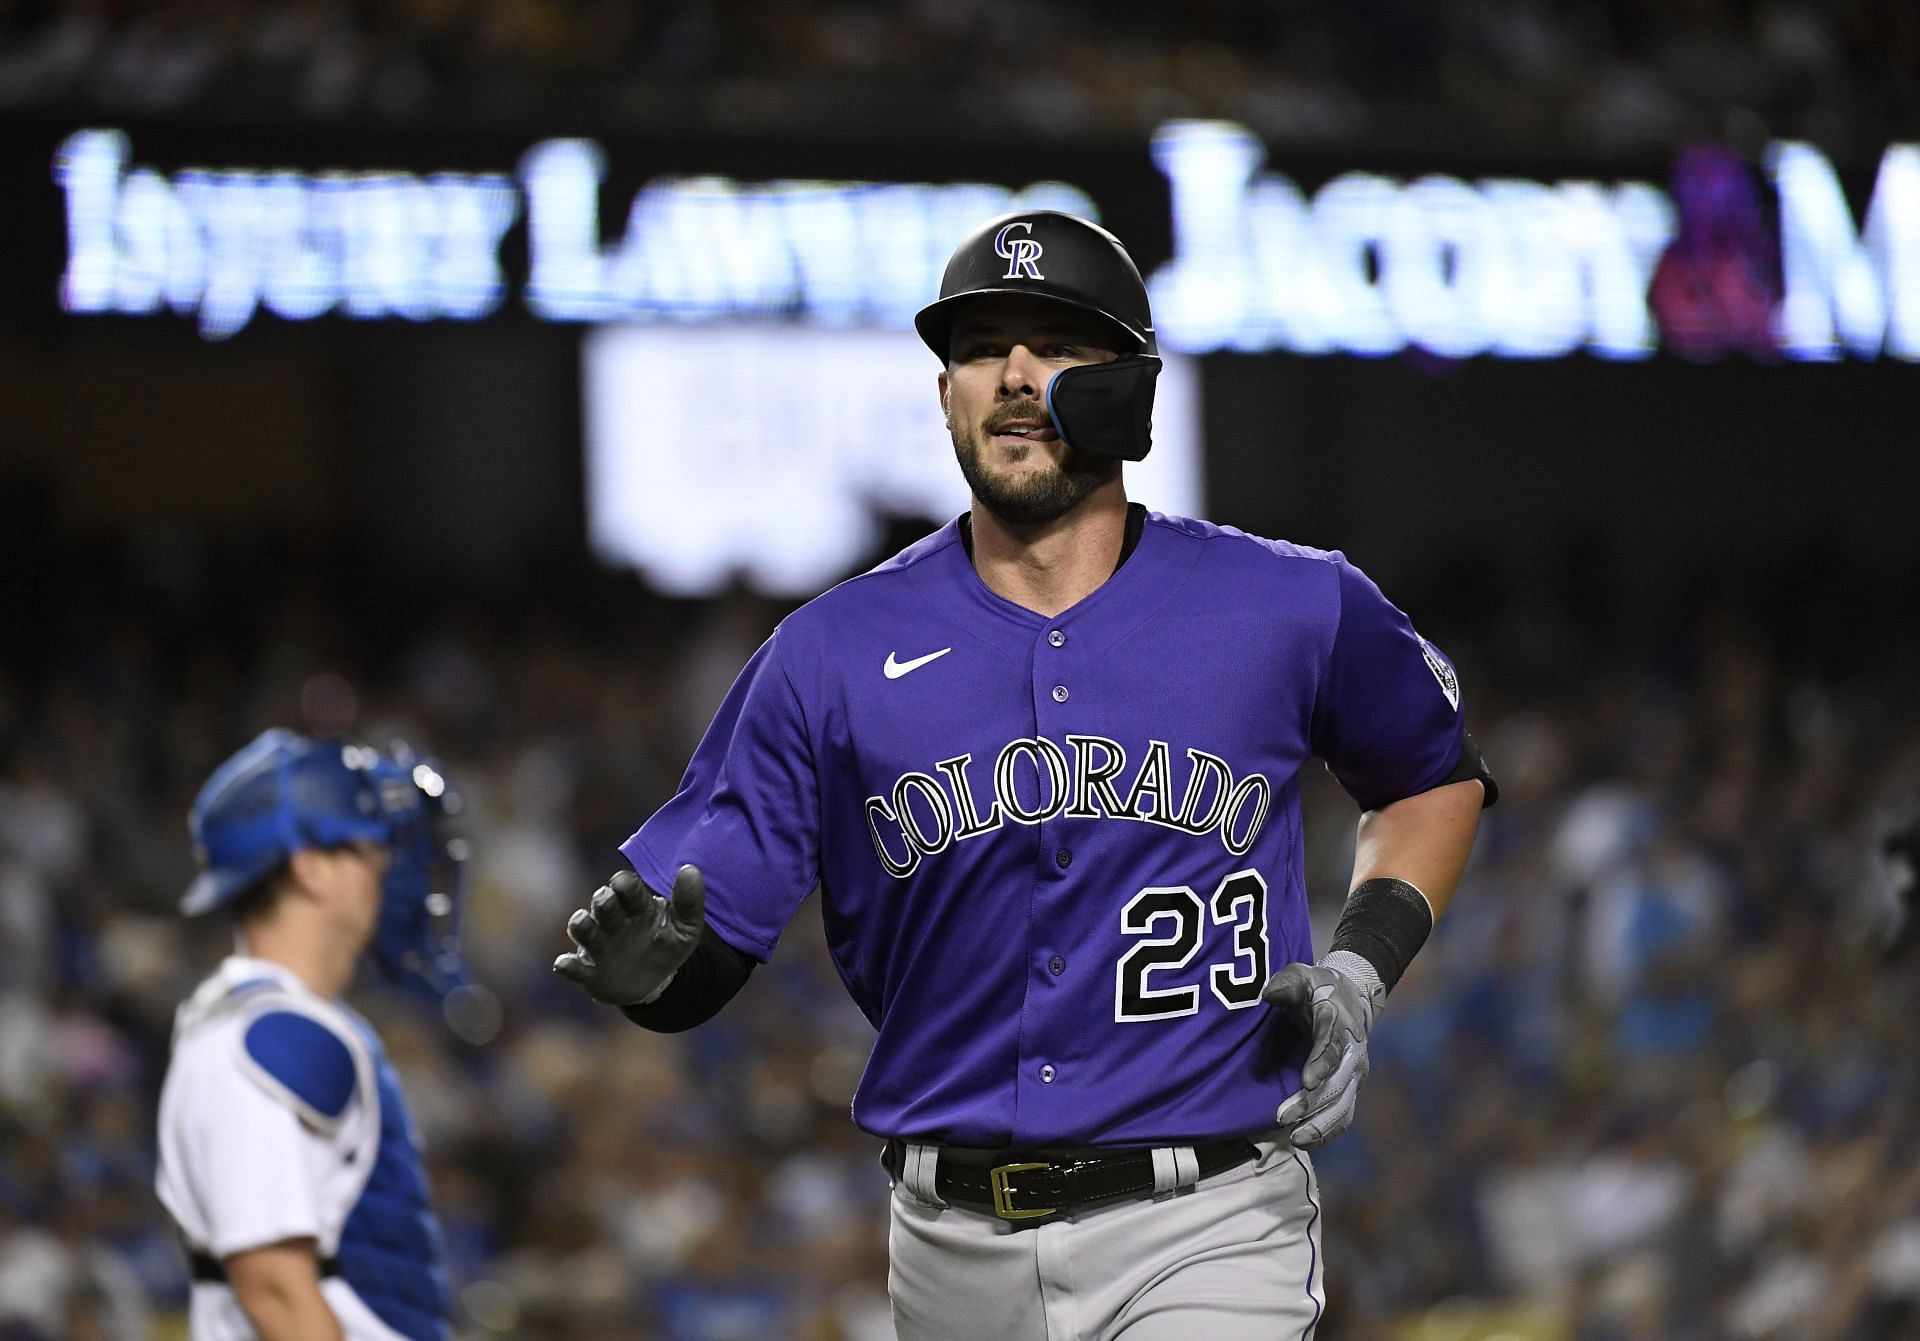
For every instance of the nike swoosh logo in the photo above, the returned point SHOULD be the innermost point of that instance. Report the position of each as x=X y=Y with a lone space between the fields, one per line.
x=895 y=669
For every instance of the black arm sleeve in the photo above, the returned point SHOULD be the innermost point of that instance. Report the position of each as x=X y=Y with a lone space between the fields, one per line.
x=1472 y=765
x=1385 y=922
x=713 y=974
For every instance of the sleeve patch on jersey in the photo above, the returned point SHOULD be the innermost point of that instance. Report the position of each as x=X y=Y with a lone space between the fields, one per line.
x=304 y=1061
x=1449 y=682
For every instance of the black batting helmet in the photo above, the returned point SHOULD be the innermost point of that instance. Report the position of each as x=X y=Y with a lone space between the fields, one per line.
x=1052 y=255
x=1103 y=408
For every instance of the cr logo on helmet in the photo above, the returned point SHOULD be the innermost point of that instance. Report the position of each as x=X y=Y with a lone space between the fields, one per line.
x=1022 y=253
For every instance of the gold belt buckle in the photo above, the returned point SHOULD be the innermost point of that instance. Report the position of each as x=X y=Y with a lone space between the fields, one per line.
x=1002 y=1203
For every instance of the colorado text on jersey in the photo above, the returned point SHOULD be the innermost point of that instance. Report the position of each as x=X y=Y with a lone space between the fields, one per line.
x=924 y=814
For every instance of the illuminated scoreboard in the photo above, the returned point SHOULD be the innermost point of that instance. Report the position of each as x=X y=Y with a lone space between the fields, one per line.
x=223 y=246
x=1366 y=264
x=1512 y=268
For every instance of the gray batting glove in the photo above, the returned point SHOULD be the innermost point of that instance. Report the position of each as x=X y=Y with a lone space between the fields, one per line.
x=629 y=942
x=1334 y=1001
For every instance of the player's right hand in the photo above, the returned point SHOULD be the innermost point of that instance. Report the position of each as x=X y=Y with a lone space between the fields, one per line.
x=1336 y=1013
x=629 y=941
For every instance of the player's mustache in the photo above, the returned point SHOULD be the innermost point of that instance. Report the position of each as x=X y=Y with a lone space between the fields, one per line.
x=1032 y=411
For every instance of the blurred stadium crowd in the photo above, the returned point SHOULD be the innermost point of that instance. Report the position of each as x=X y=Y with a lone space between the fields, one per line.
x=1596 y=75
x=1654 y=1080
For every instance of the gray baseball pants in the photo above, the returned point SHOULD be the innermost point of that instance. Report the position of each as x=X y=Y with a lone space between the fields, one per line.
x=1231 y=1258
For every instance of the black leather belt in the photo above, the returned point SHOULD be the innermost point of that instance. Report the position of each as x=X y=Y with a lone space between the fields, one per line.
x=1032 y=1187
x=208 y=1269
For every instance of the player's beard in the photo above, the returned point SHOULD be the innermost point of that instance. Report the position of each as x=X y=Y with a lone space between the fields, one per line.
x=1036 y=497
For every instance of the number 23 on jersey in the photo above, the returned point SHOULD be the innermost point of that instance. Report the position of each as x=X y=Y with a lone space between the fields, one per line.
x=1153 y=980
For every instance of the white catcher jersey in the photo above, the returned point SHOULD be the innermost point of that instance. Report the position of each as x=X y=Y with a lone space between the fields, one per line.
x=280 y=1118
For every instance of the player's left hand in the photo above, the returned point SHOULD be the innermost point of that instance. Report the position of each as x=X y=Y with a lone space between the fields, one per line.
x=629 y=942
x=1337 y=1012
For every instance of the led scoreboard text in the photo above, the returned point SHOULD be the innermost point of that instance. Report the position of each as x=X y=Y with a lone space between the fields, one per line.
x=223 y=246
x=1366 y=264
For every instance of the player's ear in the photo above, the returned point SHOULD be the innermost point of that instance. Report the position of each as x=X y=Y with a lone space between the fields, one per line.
x=946 y=409
x=307 y=870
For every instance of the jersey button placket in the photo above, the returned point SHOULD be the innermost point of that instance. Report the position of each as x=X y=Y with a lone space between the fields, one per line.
x=1048 y=677
x=1057 y=855
x=1056 y=638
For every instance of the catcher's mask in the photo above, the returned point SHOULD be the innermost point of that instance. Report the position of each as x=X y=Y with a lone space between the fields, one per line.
x=285 y=792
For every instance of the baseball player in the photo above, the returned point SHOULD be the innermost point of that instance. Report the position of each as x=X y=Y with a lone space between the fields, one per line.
x=1041 y=766
x=287 y=1157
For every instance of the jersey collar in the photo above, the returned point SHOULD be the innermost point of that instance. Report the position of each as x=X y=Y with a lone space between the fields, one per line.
x=1129 y=541
x=235 y=973
x=1151 y=571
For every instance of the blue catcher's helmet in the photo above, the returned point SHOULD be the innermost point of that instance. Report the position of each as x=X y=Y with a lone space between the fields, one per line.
x=286 y=792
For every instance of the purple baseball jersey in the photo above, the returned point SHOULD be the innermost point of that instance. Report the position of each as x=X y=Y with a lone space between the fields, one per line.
x=1059 y=857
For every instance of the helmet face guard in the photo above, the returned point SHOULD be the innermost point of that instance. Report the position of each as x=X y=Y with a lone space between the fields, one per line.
x=416 y=942
x=1104 y=409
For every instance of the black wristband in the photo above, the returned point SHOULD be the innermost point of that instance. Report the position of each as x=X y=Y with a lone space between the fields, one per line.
x=1386 y=922
x=710 y=978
